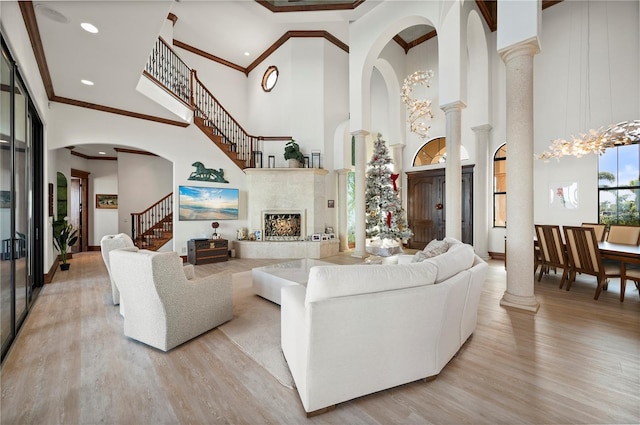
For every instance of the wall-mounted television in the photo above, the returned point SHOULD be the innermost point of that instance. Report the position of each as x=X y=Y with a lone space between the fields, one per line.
x=208 y=203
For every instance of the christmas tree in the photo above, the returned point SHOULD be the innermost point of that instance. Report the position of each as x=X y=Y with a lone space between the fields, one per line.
x=385 y=216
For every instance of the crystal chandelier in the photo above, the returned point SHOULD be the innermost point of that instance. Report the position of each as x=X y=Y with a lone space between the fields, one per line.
x=595 y=141
x=419 y=110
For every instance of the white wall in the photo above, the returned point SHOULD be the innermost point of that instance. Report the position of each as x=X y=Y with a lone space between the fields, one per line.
x=582 y=81
x=102 y=180
x=142 y=180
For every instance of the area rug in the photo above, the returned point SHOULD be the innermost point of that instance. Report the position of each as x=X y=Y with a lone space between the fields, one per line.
x=255 y=329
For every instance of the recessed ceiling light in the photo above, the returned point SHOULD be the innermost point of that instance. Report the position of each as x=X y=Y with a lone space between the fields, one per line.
x=87 y=82
x=89 y=27
x=102 y=153
x=246 y=53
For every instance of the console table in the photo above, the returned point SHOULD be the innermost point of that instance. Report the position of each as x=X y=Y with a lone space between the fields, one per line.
x=207 y=251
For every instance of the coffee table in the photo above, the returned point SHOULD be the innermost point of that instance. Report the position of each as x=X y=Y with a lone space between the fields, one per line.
x=268 y=280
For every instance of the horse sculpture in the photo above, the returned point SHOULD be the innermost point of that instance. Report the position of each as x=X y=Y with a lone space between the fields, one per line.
x=207 y=174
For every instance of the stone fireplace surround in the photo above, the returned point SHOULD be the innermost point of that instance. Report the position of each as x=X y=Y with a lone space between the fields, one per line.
x=287 y=191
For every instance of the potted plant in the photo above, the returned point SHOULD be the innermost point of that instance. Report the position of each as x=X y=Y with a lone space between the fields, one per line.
x=292 y=154
x=64 y=236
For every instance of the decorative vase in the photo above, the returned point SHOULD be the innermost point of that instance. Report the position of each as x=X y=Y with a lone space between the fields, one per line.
x=294 y=163
x=65 y=266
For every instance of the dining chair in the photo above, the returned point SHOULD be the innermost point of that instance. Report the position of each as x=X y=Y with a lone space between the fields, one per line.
x=628 y=235
x=552 y=252
x=584 y=257
x=628 y=274
x=599 y=229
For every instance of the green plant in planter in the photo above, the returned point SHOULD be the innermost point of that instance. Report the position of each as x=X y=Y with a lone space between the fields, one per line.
x=64 y=236
x=292 y=151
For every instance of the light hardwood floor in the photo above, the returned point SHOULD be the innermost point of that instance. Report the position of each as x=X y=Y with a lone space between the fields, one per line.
x=576 y=361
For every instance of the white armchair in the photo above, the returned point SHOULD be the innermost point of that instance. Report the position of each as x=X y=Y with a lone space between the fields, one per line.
x=121 y=241
x=164 y=308
x=107 y=244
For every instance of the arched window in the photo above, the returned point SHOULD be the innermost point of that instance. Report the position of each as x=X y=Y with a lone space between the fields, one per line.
x=619 y=185
x=431 y=152
x=500 y=187
x=435 y=152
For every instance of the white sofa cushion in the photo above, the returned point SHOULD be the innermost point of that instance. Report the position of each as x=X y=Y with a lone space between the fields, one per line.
x=341 y=281
x=459 y=257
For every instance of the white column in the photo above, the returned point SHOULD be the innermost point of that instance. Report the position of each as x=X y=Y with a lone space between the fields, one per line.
x=453 y=170
x=481 y=193
x=343 y=186
x=519 y=130
x=396 y=154
x=360 y=148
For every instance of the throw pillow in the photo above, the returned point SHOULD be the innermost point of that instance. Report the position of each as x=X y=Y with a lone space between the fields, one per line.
x=433 y=248
x=418 y=257
x=436 y=247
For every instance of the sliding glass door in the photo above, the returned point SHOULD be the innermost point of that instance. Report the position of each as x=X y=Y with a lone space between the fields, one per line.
x=22 y=192
x=6 y=275
x=20 y=201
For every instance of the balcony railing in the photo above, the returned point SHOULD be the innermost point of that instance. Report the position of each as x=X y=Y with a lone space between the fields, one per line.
x=168 y=69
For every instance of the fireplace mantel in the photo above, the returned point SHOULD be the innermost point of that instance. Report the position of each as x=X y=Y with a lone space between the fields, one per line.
x=275 y=171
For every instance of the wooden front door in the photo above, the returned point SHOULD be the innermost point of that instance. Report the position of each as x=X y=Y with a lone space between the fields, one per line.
x=426 y=206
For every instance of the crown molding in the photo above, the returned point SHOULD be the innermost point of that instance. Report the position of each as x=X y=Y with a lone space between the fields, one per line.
x=327 y=5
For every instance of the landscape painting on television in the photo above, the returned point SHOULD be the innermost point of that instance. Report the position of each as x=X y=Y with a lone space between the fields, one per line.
x=208 y=203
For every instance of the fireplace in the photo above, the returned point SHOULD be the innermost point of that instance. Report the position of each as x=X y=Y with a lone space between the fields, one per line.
x=282 y=226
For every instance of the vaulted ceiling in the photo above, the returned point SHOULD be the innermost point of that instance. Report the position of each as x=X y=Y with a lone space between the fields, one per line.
x=240 y=33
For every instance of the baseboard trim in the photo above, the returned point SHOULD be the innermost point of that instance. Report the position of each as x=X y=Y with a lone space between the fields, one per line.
x=48 y=277
x=496 y=255
x=93 y=248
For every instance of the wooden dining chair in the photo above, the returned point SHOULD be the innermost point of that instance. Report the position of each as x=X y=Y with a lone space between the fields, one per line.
x=628 y=274
x=628 y=235
x=552 y=252
x=599 y=229
x=584 y=257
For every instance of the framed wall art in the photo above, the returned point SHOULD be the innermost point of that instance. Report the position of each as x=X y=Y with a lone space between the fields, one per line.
x=208 y=203
x=107 y=201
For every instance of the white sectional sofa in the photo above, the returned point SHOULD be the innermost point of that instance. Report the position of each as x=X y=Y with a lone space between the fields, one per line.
x=358 y=329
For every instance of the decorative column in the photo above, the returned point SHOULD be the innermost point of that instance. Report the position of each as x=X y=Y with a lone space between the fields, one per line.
x=453 y=170
x=361 y=236
x=518 y=60
x=481 y=193
x=343 y=186
x=396 y=153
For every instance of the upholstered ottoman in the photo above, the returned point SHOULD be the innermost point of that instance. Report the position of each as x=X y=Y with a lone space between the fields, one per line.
x=268 y=280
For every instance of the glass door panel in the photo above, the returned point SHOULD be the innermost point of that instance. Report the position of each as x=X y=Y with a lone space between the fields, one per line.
x=22 y=170
x=6 y=294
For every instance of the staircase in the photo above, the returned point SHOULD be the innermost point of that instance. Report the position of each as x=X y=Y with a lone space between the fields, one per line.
x=226 y=146
x=168 y=74
x=167 y=70
x=153 y=227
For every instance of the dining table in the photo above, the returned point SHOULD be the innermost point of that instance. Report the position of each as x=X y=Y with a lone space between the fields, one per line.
x=624 y=253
